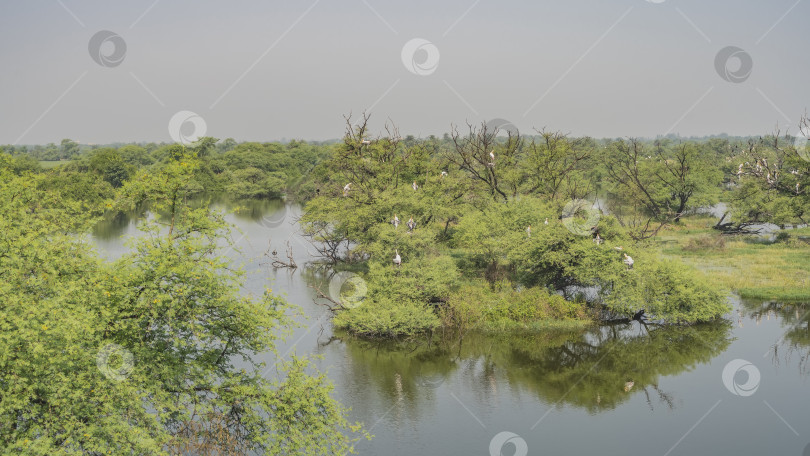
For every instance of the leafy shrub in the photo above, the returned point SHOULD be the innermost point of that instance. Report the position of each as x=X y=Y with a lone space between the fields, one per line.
x=668 y=291
x=421 y=280
x=476 y=305
x=387 y=318
x=399 y=300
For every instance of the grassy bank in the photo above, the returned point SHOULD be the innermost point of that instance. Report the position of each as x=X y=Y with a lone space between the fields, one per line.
x=746 y=265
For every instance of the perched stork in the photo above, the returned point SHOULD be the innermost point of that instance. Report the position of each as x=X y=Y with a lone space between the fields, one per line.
x=628 y=386
x=529 y=231
x=365 y=142
x=395 y=222
x=628 y=260
x=444 y=174
x=414 y=186
x=411 y=225
x=546 y=222
x=597 y=239
x=397 y=259
x=346 y=189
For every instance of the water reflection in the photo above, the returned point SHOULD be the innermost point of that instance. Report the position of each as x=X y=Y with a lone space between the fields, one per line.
x=115 y=224
x=795 y=318
x=268 y=213
x=594 y=370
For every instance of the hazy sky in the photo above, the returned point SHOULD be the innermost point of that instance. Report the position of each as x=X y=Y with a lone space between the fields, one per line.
x=266 y=70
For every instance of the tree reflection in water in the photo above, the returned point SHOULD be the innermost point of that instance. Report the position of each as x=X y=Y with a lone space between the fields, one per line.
x=595 y=370
x=795 y=317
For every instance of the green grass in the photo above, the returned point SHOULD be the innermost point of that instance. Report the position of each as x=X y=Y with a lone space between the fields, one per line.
x=49 y=164
x=799 y=232
x=779 y=271
x=537 y=326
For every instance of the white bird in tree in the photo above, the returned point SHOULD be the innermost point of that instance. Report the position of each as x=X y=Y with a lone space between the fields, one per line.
x=444 y=174
x=411 y=224
x=365 y=142
x=598 y=240
x=492 y=155
x=529 y=231
x=346 y=189
x=414 y=186
x=628 y=260
x=618 y=248
x=739 y=170
x=628 y=386
x=397 y=259
x=395 y=222
x=797 y=188
x=546 y=222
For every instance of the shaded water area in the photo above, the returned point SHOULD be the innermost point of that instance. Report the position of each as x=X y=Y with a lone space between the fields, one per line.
x=616 y=390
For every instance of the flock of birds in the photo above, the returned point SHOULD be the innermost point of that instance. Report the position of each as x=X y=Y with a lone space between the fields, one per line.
x=760 y=169
x=347 y=188
x=411 y=224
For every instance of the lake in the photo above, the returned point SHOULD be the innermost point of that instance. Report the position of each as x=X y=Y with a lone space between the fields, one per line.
x=740 y=387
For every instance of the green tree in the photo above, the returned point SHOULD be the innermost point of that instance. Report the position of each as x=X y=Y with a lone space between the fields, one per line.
x=153 y=354
x=650 y=188
x=69 y=148
x=769 y=184
x=110 y=165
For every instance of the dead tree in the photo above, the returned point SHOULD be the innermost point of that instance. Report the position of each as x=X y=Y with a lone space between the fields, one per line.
x=485 y=160
x=634 y=186
x=276 y=261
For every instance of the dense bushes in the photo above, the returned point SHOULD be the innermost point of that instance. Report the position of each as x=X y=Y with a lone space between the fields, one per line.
x=476 y=305
x=668 y=291
x=401 y=300
x=385 y=317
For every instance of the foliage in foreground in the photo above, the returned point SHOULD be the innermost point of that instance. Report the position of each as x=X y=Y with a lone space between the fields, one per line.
x=153 y=354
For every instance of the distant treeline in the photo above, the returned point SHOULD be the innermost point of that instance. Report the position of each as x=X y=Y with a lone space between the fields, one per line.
x=241 y=170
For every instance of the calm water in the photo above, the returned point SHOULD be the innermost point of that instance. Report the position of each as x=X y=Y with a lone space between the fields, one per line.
x=562 y=394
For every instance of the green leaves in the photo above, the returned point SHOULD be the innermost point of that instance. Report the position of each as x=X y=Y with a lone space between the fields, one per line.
x=139 y=356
